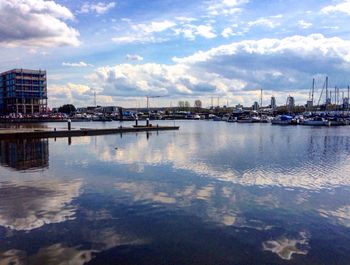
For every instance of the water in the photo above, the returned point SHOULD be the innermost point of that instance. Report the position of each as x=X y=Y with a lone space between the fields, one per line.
x=210 y=193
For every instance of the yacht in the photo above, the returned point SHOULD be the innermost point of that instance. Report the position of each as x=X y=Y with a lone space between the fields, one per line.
x=244 y=119
x=282 y=120
x=315 y=121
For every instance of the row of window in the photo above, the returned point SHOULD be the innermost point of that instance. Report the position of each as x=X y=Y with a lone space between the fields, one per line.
x=22 y=82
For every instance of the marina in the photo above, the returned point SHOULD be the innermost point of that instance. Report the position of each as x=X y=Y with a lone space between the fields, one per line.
x=174 y=132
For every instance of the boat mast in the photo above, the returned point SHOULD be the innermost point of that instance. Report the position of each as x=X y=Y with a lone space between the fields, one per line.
x=313 y=90
x=336 y=97
x=326 y=89
x=348 y=97
x=319 y=99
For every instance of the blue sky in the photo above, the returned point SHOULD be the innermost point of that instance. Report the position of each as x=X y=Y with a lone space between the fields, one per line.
x=181 y=50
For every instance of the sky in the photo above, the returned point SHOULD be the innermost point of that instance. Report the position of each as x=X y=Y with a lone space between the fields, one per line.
x=220 y=51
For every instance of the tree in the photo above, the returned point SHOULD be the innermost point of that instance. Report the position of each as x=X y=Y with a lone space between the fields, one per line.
x=184 y=104
x=198 y=104
x=67 y=109
x=181 y=104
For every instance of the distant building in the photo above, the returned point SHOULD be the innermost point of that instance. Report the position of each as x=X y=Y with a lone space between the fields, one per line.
x=256 y=106
x=273 y=103
x=290 y=103
x=346 y=103
x=309 y=104
x=82 y=110
x=239 y=106
x=23 y=91
x=110 y=109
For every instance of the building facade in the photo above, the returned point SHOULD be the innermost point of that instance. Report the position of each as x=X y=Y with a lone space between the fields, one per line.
x=290 y=103
x=273 y=103
x=255 y=106
x=23 y=91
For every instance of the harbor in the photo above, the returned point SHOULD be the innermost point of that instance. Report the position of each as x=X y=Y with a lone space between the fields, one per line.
x=204 y=132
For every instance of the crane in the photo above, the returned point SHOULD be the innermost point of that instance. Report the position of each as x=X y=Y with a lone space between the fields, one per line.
x=148 y=97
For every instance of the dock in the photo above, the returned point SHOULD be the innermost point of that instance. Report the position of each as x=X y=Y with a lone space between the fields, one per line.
x=52 y=133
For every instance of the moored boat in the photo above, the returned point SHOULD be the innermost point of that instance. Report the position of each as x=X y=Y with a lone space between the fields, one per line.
x=315 y=121
x=336 y=121
x=282 y=120
x=244 y=119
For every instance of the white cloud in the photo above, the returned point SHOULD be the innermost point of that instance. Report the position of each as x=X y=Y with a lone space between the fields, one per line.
x=225 y=7
x=142 y=33
x=230 y=31
x=235 y=71
x=77 y=94
x=70 y=93
x=275 y=64
x=79 y=64
x=133 y=57
x=185 y=19
x=227 y=32
x=155 y=26
x=205 y=31
x=297 y=58
x=98 y=8
x=174 y=80
x=267 y=22
x=304 y=24
x=343 y=7
x=36 y=23
x=190 y=31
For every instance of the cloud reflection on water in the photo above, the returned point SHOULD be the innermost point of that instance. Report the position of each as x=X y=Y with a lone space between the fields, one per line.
x=285 y=247
x=280 y=168
x=26 y=205
x=56 y=254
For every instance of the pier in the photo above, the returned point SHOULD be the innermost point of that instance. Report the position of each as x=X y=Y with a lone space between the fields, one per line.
x=52 y=133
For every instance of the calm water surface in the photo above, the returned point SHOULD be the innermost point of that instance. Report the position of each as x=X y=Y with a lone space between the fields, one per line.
x=210 y=193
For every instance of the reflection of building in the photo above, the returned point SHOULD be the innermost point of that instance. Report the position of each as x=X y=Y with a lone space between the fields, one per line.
x=25 y=154
x=23 y=91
